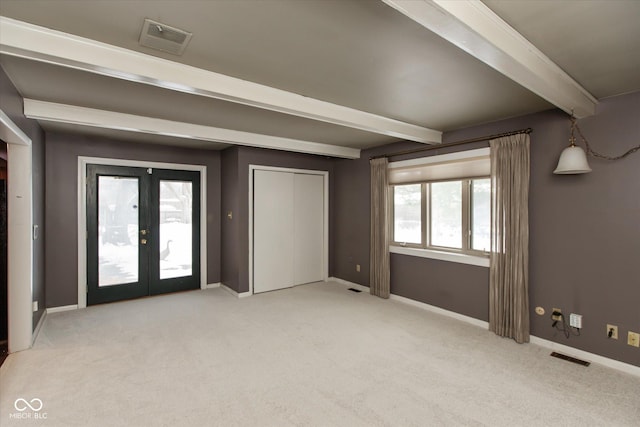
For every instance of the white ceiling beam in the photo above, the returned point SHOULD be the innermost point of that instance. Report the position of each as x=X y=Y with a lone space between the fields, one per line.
x=32 y=42
x=476 y=29
x=62 y=113
x=10 y=132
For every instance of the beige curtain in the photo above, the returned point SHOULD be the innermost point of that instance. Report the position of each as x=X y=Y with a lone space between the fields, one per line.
x=379 y=252
x=509 y=271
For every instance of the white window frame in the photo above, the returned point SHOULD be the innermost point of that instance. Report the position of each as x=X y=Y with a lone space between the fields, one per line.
x=465 y=255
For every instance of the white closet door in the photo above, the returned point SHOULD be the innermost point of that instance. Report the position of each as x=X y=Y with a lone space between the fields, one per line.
x=273 y=218
x=308 y=228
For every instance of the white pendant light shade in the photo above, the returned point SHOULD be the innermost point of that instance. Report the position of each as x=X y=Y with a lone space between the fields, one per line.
x=573 y=160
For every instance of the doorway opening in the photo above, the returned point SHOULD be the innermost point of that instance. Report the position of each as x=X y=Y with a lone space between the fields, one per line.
x=141 y=229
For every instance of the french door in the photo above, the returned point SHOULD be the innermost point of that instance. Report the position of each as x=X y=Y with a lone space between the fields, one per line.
x=143 y=230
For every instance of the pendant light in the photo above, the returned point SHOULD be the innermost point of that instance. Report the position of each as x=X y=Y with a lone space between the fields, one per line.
x=573 y=159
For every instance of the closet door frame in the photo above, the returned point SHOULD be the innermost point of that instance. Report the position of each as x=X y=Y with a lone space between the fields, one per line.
x=325 y=251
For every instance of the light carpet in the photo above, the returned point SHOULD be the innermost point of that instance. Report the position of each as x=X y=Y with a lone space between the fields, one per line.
x=313 y=355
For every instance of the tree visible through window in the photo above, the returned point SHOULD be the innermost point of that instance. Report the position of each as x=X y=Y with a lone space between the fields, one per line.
x=407 y=217
x=481 y=214
x=446 y=214
x=456 y=215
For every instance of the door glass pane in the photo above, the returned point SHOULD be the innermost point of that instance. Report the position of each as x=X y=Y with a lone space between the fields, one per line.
x=446 y=214
x=117 y=230
x=407 y=213
x=481 y=214
x=176 y=228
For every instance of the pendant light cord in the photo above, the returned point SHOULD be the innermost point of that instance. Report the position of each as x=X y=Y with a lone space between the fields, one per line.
x=596 y=154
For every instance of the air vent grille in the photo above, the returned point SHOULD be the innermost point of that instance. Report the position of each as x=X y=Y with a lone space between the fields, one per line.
x=570 y=359
x=166 y=38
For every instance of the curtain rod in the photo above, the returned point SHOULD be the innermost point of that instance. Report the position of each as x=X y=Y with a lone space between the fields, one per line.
x=451 y=144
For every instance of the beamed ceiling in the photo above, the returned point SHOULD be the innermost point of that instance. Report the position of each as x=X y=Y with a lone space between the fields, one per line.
x=327 y=77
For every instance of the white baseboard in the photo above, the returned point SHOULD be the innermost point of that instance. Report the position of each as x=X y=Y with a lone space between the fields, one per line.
x=212 y=285
x=585 y=355
x=62 y=308
x=569 y=351
x=432 y=308
x=38 y=327
x=349 y=284
x=234 y=293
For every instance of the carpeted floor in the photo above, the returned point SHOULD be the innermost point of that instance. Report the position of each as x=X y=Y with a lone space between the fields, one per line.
x=315 y=355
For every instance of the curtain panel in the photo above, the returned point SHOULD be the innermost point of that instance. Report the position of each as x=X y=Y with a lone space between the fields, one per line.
x=509 y=264
x=379 y=253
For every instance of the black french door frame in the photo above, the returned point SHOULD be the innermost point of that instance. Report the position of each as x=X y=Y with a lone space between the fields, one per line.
x=183 y=283
x=147 y=236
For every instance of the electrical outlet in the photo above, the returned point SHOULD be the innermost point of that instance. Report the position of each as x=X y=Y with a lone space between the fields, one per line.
x=35 y=306
x=575 y=320
x=633 y=338
x=358 y=268
x=553 y=316
x=613 y=329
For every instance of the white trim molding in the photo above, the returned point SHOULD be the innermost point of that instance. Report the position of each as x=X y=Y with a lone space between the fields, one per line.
x=63 y=113
x=432 y=308
x=591 y=357
x=479 y=261
x=36 y=331
x=570 y=351
x=234 y=293
x=213 y=285
x=82 y=213
x=325 y=252
x=476 y=29
x=37 y=43
x=20 y=238
x=62 y=308
x=10 y=132
x=349 y=284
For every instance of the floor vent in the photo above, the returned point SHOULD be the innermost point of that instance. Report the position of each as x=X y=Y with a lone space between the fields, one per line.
x=355 y=290
x=157 y=35
x=570 y=359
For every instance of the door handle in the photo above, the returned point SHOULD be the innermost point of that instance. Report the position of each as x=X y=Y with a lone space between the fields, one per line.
x=144 y=232
x=143 y=241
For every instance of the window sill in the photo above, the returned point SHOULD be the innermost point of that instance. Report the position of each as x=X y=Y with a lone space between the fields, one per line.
x=441 y=255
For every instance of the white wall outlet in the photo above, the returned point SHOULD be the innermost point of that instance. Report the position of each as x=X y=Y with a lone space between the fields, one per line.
x=35 y=306
x=575 y=320
x=554 y=317
x=613 y=330
x=358 y=268
x=633 y=339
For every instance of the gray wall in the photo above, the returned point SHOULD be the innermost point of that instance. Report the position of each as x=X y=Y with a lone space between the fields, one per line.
x=237 y=240
x=11 y=104
x=585 y=232
x=230 y=228
x=62 y=151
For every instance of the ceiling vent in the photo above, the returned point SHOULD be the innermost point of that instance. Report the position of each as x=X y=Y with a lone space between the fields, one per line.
x=164 y=37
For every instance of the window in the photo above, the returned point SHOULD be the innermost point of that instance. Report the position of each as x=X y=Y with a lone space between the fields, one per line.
x=407 y=218
x=450 y=215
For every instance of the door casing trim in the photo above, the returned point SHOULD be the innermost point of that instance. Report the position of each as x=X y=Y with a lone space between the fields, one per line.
x=20 y=234
x=325 y=252
x=82 y=213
